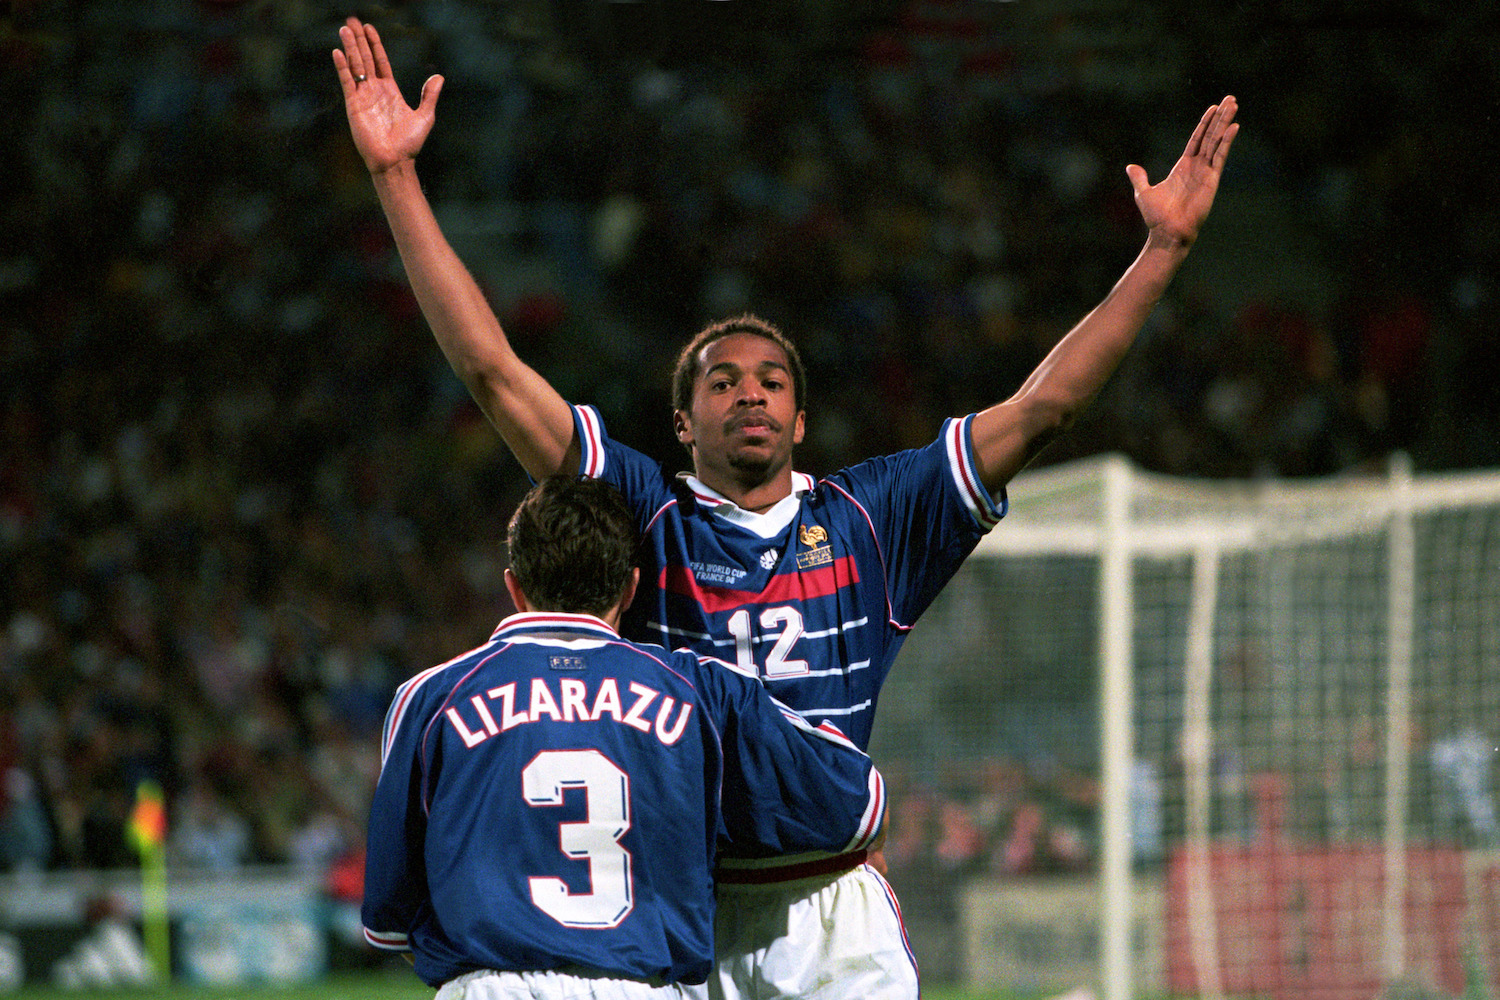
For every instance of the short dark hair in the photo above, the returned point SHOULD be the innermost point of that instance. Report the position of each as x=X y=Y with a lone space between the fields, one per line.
x=686 y=371
x=572 y=545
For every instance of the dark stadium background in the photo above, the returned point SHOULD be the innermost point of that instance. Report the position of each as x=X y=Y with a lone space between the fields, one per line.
x=241 y=496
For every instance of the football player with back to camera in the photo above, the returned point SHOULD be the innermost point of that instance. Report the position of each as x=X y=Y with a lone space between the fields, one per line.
x=550 y=803
x=809 y=584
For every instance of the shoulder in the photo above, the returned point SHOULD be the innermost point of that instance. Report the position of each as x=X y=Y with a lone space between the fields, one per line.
x=680 y=665
x=599 y=449
x=645 y=482
x=707 y=675
x=939 y=475
x=438 y=680
x=949 y=445
x=420 y=696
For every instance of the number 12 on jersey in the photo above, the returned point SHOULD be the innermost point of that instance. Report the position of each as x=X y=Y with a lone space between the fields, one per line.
x=788 y=621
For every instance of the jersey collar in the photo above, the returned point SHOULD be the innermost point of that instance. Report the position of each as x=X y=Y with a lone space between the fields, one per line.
x=767 y=524
x=554 y=625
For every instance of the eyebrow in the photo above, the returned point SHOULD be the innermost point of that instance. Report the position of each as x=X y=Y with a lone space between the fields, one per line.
x=730 y=366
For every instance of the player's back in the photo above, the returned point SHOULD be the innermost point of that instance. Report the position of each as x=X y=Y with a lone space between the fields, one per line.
x=569 y=785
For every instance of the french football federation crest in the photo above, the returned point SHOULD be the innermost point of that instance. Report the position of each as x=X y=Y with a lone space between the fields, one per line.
x=818 y=553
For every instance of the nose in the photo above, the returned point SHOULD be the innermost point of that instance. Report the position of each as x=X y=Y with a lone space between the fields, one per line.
x=751 y=394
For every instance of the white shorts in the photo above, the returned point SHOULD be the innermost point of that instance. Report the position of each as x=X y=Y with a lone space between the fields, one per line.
x=834 y=937
x=488 y=984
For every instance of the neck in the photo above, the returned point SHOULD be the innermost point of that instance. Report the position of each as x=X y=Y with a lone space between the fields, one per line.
x=610 y=617
x=758 y=496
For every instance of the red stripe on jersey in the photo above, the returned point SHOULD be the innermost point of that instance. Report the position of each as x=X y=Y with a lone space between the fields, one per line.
x=387 y=940
x=591 y=442
x=961 y=461
x=784 y=587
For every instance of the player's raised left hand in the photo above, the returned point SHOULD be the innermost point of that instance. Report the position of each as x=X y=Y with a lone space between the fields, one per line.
x=386 y=130
x=1175 y=208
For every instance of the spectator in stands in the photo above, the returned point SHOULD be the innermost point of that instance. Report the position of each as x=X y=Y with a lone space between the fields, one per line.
x=25 y=831
x=206 y=832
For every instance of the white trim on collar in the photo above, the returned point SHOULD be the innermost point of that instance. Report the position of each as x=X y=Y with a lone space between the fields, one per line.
x=527 y=620
x=768 y=524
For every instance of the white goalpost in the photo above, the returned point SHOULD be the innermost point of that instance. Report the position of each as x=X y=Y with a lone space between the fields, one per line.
x=1309 y=671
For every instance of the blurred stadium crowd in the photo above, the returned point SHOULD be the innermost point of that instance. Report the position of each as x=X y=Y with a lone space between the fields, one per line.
x=241 y=496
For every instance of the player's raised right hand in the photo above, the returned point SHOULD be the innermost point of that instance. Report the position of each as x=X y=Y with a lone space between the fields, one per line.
x=387 y=132
x=1174 y=209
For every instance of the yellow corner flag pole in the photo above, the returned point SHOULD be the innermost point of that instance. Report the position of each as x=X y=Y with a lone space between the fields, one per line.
x=148 y=833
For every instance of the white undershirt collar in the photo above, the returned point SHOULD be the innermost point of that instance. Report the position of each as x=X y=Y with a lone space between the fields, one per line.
x=767 y=524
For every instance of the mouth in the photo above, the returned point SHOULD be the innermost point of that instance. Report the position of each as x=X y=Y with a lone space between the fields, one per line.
x=754 y=424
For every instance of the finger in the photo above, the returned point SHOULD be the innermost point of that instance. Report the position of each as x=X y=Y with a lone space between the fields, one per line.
x=1222 y=149
x=365 y=64
x=1195 y=141
x=1137 y=175
x=346 y=77
x=430 y=91
x=382 y=64
x=1221 y=123
x=1219 y=131
x=349 y=35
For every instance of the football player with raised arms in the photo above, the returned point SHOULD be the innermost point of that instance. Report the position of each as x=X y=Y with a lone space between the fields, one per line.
x=808 y=584
x=550 y=804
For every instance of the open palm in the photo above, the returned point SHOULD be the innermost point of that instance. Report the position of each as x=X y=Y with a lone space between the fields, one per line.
x=386 y=130
x=1175 y=208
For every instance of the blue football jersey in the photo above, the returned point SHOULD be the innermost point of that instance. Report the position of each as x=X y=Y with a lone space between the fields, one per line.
x=556 y=798
x=815 y=596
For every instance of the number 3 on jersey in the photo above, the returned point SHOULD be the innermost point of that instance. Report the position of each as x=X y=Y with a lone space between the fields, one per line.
x=596 y=840
x=778 y=663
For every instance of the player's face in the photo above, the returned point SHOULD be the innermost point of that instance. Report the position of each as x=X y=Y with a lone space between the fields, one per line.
x=744 y=421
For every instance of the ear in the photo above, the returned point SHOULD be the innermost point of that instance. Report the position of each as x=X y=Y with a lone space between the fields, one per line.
x=629 y=593
x=799 y=427
x=682 y=426
x=517 y=595
x=613 y=615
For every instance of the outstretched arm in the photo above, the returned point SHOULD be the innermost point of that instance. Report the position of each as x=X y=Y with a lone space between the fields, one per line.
x=534 y=420
x=1009 y=434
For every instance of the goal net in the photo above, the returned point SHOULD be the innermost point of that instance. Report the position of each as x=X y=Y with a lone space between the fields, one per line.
x=1279 y=702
